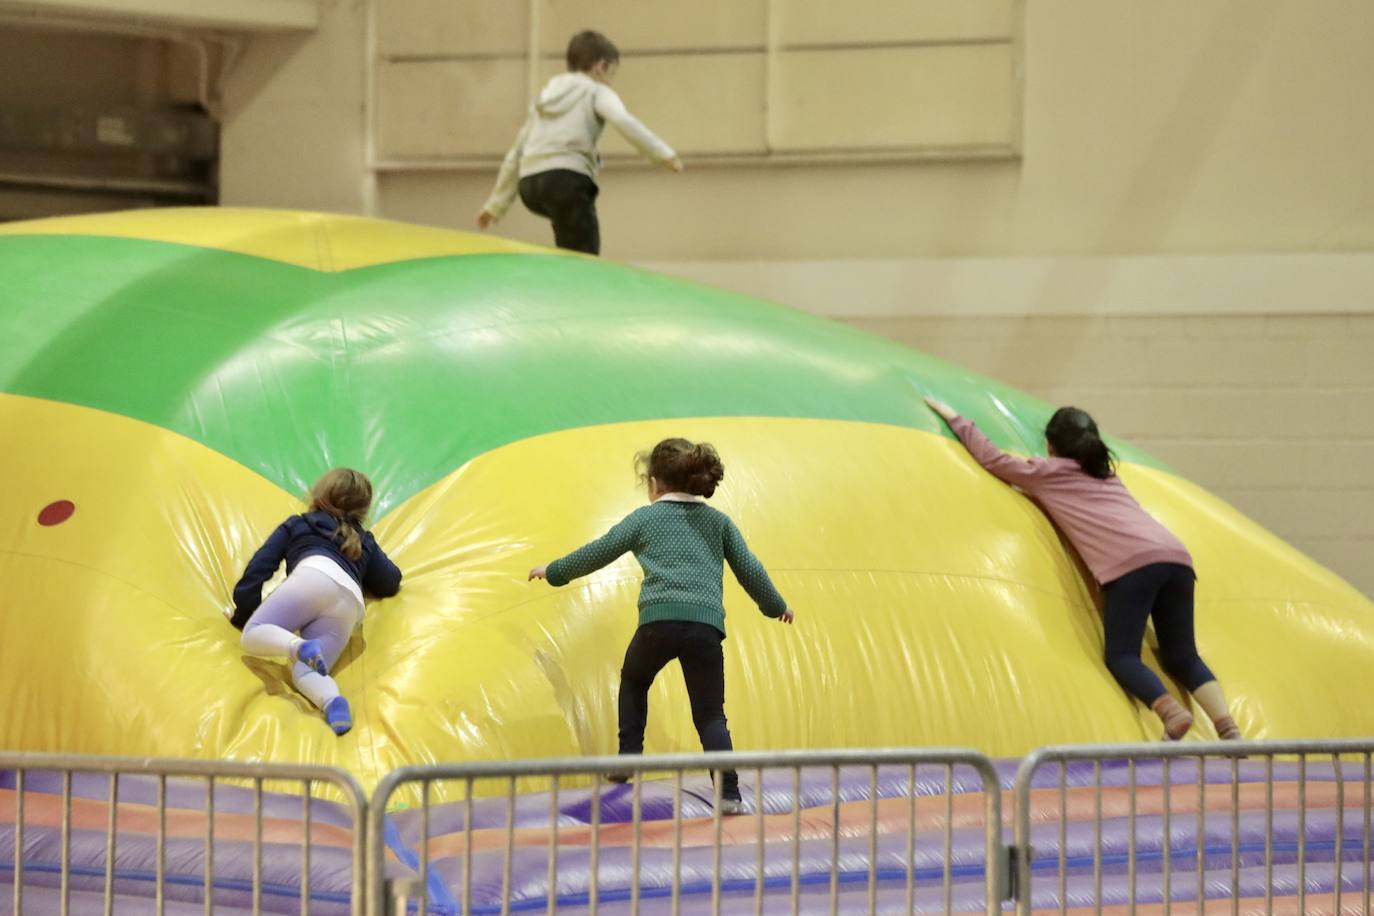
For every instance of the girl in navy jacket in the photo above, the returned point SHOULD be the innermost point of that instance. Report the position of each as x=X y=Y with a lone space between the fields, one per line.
x=330 y=560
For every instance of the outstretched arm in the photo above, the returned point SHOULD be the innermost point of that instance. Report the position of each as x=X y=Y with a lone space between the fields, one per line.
x=613 y=111
x=752 y=576
x=248 y=592
x=1021 y=472
x=507 y=180
x=604 y=551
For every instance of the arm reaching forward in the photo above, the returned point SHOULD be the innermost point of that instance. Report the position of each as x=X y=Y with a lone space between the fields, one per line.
x=604 y=551
x=613 y=111
x=1022 y=472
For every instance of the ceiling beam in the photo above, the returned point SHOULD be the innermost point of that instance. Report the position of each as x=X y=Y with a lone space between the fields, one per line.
x=238 y=15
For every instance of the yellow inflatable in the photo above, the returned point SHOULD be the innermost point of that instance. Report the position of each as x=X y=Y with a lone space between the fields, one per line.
x=174 y=380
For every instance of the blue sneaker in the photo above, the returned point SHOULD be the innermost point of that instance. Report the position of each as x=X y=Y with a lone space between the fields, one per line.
x=312 y=653
x=337 y=714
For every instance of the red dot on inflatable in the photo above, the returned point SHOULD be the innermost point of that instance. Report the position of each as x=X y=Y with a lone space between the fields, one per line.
x=56 y=513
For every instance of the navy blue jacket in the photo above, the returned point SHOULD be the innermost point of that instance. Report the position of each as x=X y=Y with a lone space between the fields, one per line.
x=312 y=534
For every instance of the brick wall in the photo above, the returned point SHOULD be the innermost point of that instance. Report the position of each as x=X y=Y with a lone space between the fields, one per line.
x=1274 y=413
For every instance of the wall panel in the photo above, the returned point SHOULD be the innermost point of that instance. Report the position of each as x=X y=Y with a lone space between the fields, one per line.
x=910 y=80
x=935 y=96
x=854 y=21
x=450 y=108
x=716 y=109
x=452 y=27
x=639 y=25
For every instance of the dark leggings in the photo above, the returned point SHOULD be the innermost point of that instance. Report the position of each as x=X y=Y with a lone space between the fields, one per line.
x=568 y=199
x=697 y=647
x=1163 y=591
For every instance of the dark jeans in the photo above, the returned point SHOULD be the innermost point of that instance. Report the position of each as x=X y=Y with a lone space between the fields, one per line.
x=1163 y=591
x=697 y=647
x=568 y=199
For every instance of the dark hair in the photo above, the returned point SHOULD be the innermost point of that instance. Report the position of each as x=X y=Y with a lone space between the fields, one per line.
x=1073 y=434
x=683 y=466
x=587 y=47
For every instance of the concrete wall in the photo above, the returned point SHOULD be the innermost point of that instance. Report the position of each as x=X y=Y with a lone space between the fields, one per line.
x=743 y=79
x=1176 y=126
x=1170 y=127
x=294 y=129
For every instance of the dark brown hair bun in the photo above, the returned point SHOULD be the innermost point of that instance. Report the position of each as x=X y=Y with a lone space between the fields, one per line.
x=683 y=466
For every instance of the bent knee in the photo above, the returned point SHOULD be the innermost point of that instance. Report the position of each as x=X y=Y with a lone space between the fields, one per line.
x=708 y=719
x=1179 y=658
x=1122 y=661
x=1190 y=669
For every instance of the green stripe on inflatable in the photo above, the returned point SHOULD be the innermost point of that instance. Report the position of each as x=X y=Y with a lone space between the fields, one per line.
x=410 y=369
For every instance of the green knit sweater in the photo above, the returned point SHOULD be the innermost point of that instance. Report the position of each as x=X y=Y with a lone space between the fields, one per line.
x=681 y=547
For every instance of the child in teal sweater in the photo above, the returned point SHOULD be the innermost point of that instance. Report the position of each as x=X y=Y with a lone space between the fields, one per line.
x=681 y=543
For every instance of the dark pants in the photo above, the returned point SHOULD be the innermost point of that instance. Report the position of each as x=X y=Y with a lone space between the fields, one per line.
x=697 y=647
x=1163 y=591
x=568 y=199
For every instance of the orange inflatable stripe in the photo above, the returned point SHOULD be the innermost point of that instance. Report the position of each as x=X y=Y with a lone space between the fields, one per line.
x=45 y=810
x=1313 y=905
x=1183 y=800
x=894 y=816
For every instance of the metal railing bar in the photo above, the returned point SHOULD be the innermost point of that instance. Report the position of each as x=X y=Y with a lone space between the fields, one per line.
x=110 y=843
x=160 y=902
x=424 y=843
x=257 y=845
x=873 y=839
x=19 y=841
x=508 y=863
x=760 y=862
x=66 y=861
x=307 y=814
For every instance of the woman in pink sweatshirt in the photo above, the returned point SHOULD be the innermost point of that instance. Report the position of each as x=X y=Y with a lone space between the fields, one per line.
x=1144 y=570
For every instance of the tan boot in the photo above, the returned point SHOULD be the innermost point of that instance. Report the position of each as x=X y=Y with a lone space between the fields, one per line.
x=1176 y=719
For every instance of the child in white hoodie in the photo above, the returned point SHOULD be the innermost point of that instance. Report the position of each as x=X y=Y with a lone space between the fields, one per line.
x=554 y=161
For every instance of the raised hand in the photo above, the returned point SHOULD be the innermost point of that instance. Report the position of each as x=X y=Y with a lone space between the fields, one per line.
x=943 y=409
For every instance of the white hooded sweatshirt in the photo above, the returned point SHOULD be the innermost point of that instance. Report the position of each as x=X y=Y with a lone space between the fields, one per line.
x=561 y=132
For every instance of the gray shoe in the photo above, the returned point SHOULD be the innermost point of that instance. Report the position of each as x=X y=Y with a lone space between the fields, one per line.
x=732 y=806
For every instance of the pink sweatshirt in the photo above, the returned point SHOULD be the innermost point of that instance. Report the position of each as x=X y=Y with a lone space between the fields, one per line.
x=1101 y=519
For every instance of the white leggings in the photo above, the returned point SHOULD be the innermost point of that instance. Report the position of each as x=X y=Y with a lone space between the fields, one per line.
x=319 y=608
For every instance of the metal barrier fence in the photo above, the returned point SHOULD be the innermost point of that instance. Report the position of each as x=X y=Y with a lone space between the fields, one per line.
x=59 y=800
x=1139 y=827
x=847 y=827
x=1255 y=827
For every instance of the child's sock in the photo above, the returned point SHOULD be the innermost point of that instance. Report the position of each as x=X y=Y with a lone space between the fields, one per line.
x=310 y=652
x=1227 y=729
x=1211 y=698
x=1176 y=719
x=338 y=715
